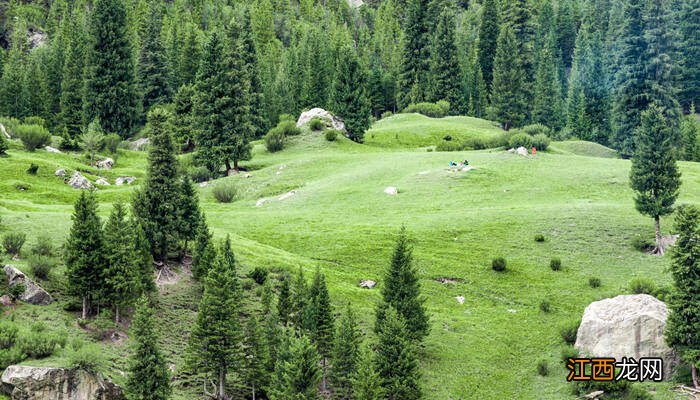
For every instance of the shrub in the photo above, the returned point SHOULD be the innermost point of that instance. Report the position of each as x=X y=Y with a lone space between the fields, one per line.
x=520 y=140
x=33 y=168
x=642 y=243
x=288 y=128
x=102 y=326
x=274 y=140
x=13 y=242
x=386 y=114
x=92 y=141
x=16 y=291
x=43 y=246
x=259 y=275
x=555 y=264
x=449 y=146
x=199 y=174
x=111 y=142
x=498 y=264
x=3 y=145
x=33 y=136
x=37 y=344
x=543 y=368
x=8 y=334
x=539 y=237
x=569 y=331
x=225 y=192
x=540 y=142
x=594 y=282
x=88 y=357
x=536 y=129
x=545 y=306
x=286 y=117
x=642 y=286
x=568 y=352
x=10 y=357
x=41 y=266
x=447 y=138
x=34 y=120
x=444 y=106
x=331 y=135
x=10 y=124
x=428 y=109
x=316 y=124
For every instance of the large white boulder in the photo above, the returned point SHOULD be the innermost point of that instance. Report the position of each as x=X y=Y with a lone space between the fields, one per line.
x=626 y=326
x=22 y=382
x=78 y=181
x=33 y=293
x=329 y=119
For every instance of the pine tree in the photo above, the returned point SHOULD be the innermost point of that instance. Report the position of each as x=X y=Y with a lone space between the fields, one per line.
x=488 y=35
x=690 y=131
x=189 y=58
x=35 y=91
x=566 y=26
x=445 y=73
x=690 y=26
x=143 y=260
x=12 y=101
x=258 y=118
x=547 y=99
x=71 y=102
x=215 y=342
x=349 y=94
x=84 y=252
x=188 y=213
x=203 y=254
x=654 y=175
x=395 y=359
x=415 y=66
x=155 y=205
x=401 y=289
x=297 y=372
x=507 y=94
x=299 y=301
x=318 y=320
x=577 y=119
x=366 y=382
x=683 y=325
x=256 y=357
x=120 y=273
x=184 y=121
x=345 y=356
x=148 y=377
x=111 y=92
x=153 y=69
x=518 y=16
x=3 y=145
x=284 y=302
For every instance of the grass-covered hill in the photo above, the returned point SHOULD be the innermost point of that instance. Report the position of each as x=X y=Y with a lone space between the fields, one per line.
x=339 y=219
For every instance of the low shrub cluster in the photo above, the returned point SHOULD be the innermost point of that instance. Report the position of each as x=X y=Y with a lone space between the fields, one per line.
x=33 y=169
x=16 y=345
x=199 y=174
x=275 y=138
x=642 y=243
x=555 y=264
x=539 y=238
x=594 y=282
x=472 y=143
x=41 y=266
x=498 y=264
x=316 y=124
x=12 y=242
x=32 y=136
x=259 y=275
x=331 y=135
x=225 y=192
x=569 y=331
x=432 y=110
x=642 y=286
x=539 y=141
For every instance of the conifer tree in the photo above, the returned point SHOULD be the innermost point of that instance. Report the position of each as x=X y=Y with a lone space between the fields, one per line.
x=654 y=175
x=366 y=382
x=299 y=300
x=444 y=67
x=395 y=359
x=488 y=35
x=345 y=356
x=121 y=284
x=349 y=94
x=111 y=91
x=547 y=99
x=566 y=26
x=215 y=346
x=189 y=58
x=148 y=377
x=258 y=118
x=683 y=326
x=518 y=16
x=690 y=72
x=71 y=101
x=256 y=358
x=188 y=213
x=84 y=252
x=184 y=121
x=12 y=101
x=153 y=69
x=3 y=145
x=155 y=205
x=284 y=302
x=297 y=372
x=507 y=94
x=401 y=289
x=143 y=260
x=318 y=320
x=415 y=65
x=204 y=253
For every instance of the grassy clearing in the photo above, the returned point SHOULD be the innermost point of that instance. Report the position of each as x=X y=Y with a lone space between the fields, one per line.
x=340 y=220
x=583 y=148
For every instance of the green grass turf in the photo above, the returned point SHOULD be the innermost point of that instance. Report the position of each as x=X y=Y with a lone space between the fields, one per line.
x=583 y=148
x=341 y=221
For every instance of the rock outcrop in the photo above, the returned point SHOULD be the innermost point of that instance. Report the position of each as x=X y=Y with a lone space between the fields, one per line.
x=43 y=383
x=54 y=150
x=33 y=293
x=107 y=163
x=124 y=180
x=102 y=182
x=60 y=172
x=78 y=181
x=329 y=119
x=626 y=326
x=3 y=131
x=367 y=284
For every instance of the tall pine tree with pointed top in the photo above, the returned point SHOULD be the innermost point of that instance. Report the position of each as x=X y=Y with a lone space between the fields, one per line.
x=395 y=359
x=120 y=273
x=297 y=372
x=415 y=65
x=445 y=74
x=508 y=101
x=350 y=100
x=488 y=35
x=345 y=356
x=153 y=69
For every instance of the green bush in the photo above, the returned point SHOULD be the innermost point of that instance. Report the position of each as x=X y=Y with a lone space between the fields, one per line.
x=594 y=282
x=642 y=286
x=569 y=331
x=41 y=266
x=34 y=120
x=88 y=357
x=568 y=352
x=8 y=334
x=111 y=142
x=449 y=146
x=259 y=275
x=33 y=169
x=199 y=174
x=274 y=140
x=444 y=106
x=11 y=357
x=316 y=124
x=33 y=136
x=540 y=142
x=16 y=291
x=542 y=367
x=539 y=238
x=12 y=242
x=498 y=264
x=536 y=129
x=642 y=243
x=520 y=140
x=428 y=109
x=37 y=344
x=10 y=124
x=225 y=192
x=288 y=128
x=545 y=306
x=331 y=135
x=555 y=264
x=102 y=326
x=43 y=246
x=3 y=145
x=285 y=117
x=386 y=114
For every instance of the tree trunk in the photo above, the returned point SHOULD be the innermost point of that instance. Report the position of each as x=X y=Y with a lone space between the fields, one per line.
x=235 y=165
x=323 y=379
x=84 y=307
x=222 y=384
x=228 y=167
x=659 y=250
x=694 y=372
x=253 y=385
x=116 y=314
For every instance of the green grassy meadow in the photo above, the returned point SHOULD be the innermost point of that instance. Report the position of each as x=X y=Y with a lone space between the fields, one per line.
x=340 y=220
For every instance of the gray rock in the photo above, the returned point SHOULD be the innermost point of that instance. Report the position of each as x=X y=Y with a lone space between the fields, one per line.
x=626 y=326
x=60 y=172
x=521 y=151
x=140 y=144
x=124 y=179
x=33 y=294
x=102 y=182
x=287 y=195
x=4 y=132
x=329 y=119
x=36 y=39
x=367 y=284
x=107 y=163
x=78 y=181
x=391 y=191
x=43 y=383
x=52 y=150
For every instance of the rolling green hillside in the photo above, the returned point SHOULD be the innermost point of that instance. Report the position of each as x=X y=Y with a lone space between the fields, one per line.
x=339 y=219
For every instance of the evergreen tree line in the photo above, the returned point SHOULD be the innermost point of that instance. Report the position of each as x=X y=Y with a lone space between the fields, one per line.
x=583 y=68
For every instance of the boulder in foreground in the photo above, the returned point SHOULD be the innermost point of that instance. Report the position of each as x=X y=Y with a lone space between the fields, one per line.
x=33 y=294
x=329 y=119
x=43 y=383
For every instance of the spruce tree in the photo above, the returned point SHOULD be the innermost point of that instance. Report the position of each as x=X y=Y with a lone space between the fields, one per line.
x=155 y=205
x=188 y=213
x=508 y=101
x=184 y=121
x=3 y=145
x=546 y=108
x=415 y=64
x=84 y=252
x=487 y=42
x=215 y=346
x=297 y=372
x=284 y=302
x=445 y=74
x=152 y=67
x=143 y=260
x=35 y=90
x=345 y=356
x=12 y=101
x=654 y=175
x=350 y=101
x=299 y=301
x=189 y=58
x=683 y=325
x=148 y=378
x=120 y=273
x=401 y=289
x=518 y=16
x=256 y=103
x=71 y=102
x=366 y=382
x=690 y=71
x=256 y=358
x=111 y=92
x=395 y=359
x=204 y=253
x=318 y=320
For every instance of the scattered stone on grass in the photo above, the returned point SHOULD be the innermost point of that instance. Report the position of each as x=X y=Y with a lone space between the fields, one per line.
x=78 y=181
x=447 y=280
x=124 y=179
x=368 y=284
x=60 y=172
x=522 y=151
x=52 y=150
x=260 y=202
x=203 y=184
x=4 y=132
x=460 y=299
x=391 y=191
x=33 y=293
x=102 y=182
x=107 y=163
x=287 y=195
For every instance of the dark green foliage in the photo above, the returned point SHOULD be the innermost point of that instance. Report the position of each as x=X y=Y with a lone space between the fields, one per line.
x=594 y=282
x=225 y=192
x=199 y=174
x=395 y=358
x=539 y=238
x=188 y=213
x=642 y=286
x=284 y=301
x=274 y=140
x=152 y=68
x=445 y=74
x=12 y=242
x=16 y=291
x=520 y=140
x=642 y=243
x=350 y=101
x=545 y=306
x=121 y=282
x=690 y=132
x=299 y=301
x=41 y=266
x=331 y=135
x=345 y=356
x=297 y=372
x=547 y=108
x=316 y=124
x=88 y=357
x=33 y=168
x=689 y=27
x=148 y=378
x=111 y=142
x=401 y=290
x=3 y=145
x=415 y=58
x=8 y=334
x=568 y=351
x=318 y=316
x=184 y=121
x=555 y=264
x=259 y=275
x=508 y=101
x=569 y=332
x=256 y=357
x=32 y=136
x=111 y=93
x=498 y=264
x=542 y=368
x=366 y=382
x=540 y=142
x=488 y=35
x=203 y=253
x=143 y=260
x=428 y=109
x=71 y=99
x=37 y=345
